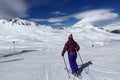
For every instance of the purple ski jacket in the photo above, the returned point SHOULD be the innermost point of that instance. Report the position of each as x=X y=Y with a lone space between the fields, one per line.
x=71 y=46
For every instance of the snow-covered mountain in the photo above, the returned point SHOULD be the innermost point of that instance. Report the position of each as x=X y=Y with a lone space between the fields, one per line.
x=86 y=27
x=90 y=34
x=114 y=27
x=83 y=25
x=17 y=21
x=36 y=52
x=21 y=29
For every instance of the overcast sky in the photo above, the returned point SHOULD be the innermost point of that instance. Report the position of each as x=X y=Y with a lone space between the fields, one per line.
x=60 y=13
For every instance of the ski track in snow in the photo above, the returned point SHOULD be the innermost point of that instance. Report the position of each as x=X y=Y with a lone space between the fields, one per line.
x=46 y=64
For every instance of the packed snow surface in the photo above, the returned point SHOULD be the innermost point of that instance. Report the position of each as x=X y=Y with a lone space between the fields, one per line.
x=36 y=53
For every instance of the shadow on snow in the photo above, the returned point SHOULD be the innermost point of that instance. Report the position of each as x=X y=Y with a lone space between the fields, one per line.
x=85 y=65
x=17 y=53
x=11 y=60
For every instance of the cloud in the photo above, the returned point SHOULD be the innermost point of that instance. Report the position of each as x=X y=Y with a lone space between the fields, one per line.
x=51 y=20
x=89 y=16
x=38 y=20
x=13 y=8
x=58 y=13
x=100 y=17
x=57 y=24
x=58 y=19
x=95 y=15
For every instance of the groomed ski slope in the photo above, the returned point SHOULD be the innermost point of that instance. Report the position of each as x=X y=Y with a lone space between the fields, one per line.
x=43 y=61
x=39 y=57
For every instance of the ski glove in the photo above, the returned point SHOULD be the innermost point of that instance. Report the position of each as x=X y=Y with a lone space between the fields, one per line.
x=62 y=54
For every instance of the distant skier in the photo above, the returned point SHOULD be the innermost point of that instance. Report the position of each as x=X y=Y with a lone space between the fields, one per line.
x=72 y=47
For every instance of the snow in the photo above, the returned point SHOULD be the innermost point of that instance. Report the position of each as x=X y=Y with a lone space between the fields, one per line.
x=113 y=26
x=37 y=54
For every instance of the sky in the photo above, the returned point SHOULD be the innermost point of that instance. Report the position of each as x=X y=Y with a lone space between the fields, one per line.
x=62 y=13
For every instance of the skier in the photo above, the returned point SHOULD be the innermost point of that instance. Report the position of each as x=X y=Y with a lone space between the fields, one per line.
x=72 y=47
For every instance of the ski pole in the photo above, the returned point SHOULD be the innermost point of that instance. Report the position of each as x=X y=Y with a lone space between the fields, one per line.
x=66 y=67
x=81 y=60
x=88 y=70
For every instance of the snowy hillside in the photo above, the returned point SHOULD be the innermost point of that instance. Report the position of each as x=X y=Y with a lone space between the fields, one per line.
x=114 y=27
x=83 y=25
x=37 y=51
x=91 y=34
x=19 y=29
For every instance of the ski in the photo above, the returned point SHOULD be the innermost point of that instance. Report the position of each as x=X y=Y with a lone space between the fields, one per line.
x=69 y=71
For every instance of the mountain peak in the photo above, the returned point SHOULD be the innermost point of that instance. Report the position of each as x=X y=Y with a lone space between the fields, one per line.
x=81 y=25
x=17 y=21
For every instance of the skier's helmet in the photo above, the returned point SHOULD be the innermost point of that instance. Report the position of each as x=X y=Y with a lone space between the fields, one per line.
x=70 y=37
